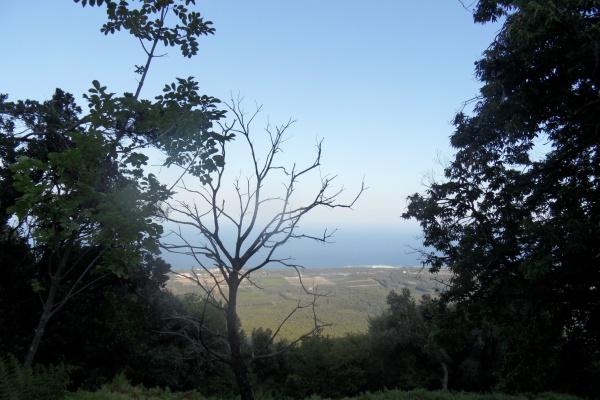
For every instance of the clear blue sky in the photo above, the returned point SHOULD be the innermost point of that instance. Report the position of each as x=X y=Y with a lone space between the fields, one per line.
x=378 y=81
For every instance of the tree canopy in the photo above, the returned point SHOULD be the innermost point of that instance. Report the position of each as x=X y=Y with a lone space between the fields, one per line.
x=516 y=217
x=74 y=186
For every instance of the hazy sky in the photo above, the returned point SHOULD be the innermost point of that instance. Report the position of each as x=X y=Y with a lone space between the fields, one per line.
x=379 y=81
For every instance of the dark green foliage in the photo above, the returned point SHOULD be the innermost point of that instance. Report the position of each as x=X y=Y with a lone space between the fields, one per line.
x=134 y=321
x=115 y=325
x=269 y=371
x=329 y=367
x=43 y=383
x=410 y=345
x=73 y=185
x=187 y=325
x=142 y=22
x=398 y=338
x=421 y=394
x=121 y=388
x=17 y=300
x=516 y=219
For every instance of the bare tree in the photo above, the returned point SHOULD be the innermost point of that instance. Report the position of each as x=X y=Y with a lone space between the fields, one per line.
x=262 y=223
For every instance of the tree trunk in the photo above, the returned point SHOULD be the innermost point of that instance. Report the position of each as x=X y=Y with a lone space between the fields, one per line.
x=445 y=377
x=41 y=327
x=55 y=281
x=442 y=357
x=238 y=364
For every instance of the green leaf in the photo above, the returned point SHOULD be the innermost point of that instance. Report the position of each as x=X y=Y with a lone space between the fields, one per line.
x=36 y=286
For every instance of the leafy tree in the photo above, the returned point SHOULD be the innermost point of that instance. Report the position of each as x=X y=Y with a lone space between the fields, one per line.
x=464 y=349
x=116 y=325
x=348 y=367
x=74 y=185
x=399 y=339
x=261 y=221
x=331 y=367
x=517 y=217
x=117 y=314
x=271 y=372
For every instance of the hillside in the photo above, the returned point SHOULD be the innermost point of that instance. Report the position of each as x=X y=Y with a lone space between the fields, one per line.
x=351 y=295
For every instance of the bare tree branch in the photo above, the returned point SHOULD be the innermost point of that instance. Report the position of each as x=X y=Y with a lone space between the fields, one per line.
x=262 y=223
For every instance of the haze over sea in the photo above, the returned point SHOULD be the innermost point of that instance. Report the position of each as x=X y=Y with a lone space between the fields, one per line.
x=350 y=247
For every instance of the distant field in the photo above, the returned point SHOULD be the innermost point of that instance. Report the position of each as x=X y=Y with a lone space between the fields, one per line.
x=351 y=296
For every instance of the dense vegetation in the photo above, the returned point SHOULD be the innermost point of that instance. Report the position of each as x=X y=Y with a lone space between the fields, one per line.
x=516 y=218
x=82 y=296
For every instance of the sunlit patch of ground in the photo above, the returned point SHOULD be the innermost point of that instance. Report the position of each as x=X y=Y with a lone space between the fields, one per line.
x=310 y=281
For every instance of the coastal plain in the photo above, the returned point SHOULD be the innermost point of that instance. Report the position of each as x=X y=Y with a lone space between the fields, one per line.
x=345 y=298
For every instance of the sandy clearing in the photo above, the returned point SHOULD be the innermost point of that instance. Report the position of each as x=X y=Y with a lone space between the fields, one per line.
x=311 y=281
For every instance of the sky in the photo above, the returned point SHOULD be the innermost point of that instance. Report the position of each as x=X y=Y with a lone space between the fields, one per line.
x=378 y=82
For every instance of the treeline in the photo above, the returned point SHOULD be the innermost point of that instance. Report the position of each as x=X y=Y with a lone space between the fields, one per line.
x=136 y=328
x=516 y=225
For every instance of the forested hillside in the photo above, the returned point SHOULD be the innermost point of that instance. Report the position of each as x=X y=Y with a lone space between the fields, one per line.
x=506 y=305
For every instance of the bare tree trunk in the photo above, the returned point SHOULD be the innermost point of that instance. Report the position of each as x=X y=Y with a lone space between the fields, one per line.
x=41 y=327
x=238 y=364
x=442 y=358
x=445 y=377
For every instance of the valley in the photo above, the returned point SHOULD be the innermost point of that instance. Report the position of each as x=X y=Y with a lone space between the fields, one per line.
x=347 y=296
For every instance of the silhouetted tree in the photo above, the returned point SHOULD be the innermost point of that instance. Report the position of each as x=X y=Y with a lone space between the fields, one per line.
x=73 y=185
x=262 y=222
x=399 y=338
x=516 y=219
